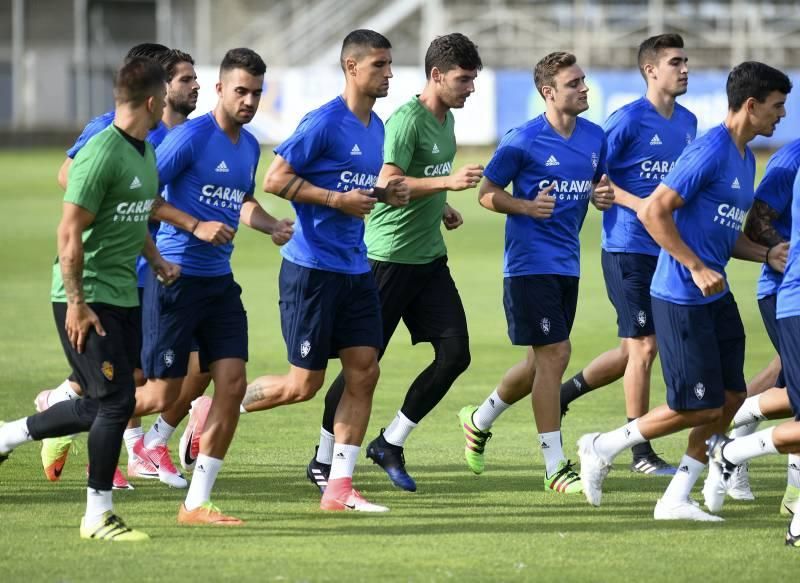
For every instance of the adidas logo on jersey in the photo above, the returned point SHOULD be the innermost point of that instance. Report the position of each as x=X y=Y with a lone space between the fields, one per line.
x=656 y=141
x=551 y=161
x=435 y=149
x=356 y=151
x=135 y=183
x=222 y=167
x=736 y=184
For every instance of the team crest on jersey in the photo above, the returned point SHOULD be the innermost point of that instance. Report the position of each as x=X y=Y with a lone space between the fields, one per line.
x=169 y=357
x=688 y=138
x=108 y=370
x=700 y=391
x=545 y=324
x=595 y=160
x=641 y=318
x=305 y=348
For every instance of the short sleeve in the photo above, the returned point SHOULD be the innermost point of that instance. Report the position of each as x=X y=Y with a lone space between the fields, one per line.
x=400 y=142
x=693 y=170
x=507 y=161
x=90 y=176
x=305 y=145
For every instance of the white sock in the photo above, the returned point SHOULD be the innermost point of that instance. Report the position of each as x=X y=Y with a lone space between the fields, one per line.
x=62 y=392
x=242 y=410
x=743 y=449
x=611 y=443
x=552 y=450
x=399 y=429
x=203 y=478
x=489 y=411
x=98 y=502
x=689 y=470
x=159 y=433
x=793 y=470
x=794 y=525
x=130 y=437
x=744 y=430
x=344 y=461
x=14 y=434
x=325 y=449
x=749 y=412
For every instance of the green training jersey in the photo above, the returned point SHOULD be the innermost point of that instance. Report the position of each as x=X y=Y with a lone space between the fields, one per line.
x=113 y=181
x=422 y=147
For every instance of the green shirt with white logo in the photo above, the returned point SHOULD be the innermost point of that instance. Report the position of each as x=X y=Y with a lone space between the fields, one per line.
x=113 y=181
x=421 y=146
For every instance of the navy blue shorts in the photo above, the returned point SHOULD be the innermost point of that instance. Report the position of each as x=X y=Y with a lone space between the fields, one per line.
x=540 y=309
x=323 y=312
x=767 y=307
x=206 y=311
x=628 y=277
x=701 y=350
x=790 y=358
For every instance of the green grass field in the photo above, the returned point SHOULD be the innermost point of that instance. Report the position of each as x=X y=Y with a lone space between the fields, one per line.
x=500 y=526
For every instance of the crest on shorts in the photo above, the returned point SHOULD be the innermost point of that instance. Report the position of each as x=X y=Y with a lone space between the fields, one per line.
x=108 y=370
x=641 y=318
x=545 y=324
x=305 y=348
x=700 y=390
x=169 y=357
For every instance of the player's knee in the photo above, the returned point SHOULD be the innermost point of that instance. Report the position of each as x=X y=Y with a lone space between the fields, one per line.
x=119 y=404
x=453 y=356
x=710 y=416
x=643 y=351
x=299 y=390
x=734 y=399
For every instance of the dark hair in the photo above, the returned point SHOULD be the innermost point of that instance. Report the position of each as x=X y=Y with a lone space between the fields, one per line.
x=545 y=70
x=756 y=80
x=246 y=59
x=358 y=40
x=150 y=50
x=651 y=47
x=450 y=51
x=172 y=59
x=138 y=79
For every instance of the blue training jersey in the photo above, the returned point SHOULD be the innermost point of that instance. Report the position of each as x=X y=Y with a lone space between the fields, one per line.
x=716 y=184
x=332 y=149
x=775 y=190
x=531 y=157
x=642 y=148
x=207 y=176
x=155 y=137
x=788 y=304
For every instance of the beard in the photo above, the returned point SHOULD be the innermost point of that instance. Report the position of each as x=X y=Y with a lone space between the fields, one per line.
x=182 y=107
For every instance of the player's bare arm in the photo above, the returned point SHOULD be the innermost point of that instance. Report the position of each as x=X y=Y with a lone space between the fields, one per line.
x=254 y=216
x=624 y=198
x=468 y=176
x=63 y=173
x=655 y=214
x=774 y=255
x=759 y=225
x=213 y=232
x=497 y=199
x=80 y=317
x=281 y=180
x=166 y=272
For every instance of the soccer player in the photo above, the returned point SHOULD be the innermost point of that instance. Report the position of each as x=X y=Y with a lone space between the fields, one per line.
x=726 y=454
x=408 y=256
x=329 y=302
x=103 y=228
x=696 y=216
x=645 y=138
x=182 y=89
x=769 y=222
x=557 y=163
x=208 y=166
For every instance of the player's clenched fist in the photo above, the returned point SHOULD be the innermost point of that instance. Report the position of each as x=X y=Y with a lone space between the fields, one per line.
x=282 y=231
x=465 y=177
x=709 y=281
x=358 y=202
x=777 y=255
x=397 y=192
x=214 y=232
x=603 y=194
x=542 y=206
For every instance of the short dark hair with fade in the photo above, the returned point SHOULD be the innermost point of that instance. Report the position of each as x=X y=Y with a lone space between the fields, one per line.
x=651 y=47
x=756 y=80
x=150 y=50
x=546 y=70
x=172 y=59
x=450 y=51
x=243 y=58
x=138 y=79
x=358 y=40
